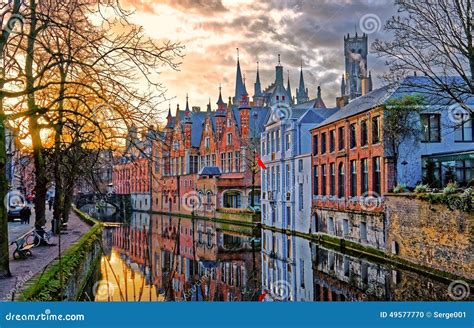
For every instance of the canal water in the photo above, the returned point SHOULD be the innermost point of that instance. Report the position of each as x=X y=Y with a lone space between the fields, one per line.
x=167 y=258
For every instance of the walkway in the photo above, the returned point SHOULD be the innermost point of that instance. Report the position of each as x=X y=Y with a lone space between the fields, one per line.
x=24 y=270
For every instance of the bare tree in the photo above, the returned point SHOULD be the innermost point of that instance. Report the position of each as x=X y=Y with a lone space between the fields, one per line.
x=435 y=38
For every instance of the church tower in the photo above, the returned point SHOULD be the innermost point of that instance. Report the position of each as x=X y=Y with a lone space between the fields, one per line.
x=355 y=53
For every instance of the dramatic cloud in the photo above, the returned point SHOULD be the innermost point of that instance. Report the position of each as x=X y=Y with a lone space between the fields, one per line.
x=302 y=31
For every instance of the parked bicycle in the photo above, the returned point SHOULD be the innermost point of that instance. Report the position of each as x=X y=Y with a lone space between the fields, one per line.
x=35 y=238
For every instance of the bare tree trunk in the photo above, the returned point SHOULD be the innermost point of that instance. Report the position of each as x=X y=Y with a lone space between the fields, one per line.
x=34 y=128
x=4 y=251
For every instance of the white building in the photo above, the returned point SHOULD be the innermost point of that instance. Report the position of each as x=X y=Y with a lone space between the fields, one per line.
x=286 y=153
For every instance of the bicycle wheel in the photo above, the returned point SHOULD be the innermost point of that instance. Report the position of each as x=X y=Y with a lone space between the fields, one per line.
x=32 y=239
x=17 y=255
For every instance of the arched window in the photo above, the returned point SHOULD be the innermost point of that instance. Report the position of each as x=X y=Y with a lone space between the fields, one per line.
x=341 y=190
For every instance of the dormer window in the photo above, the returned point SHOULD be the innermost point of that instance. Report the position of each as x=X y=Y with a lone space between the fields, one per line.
x=277 y=98
x=229 y=139
x=283 y=98
x=207 y=142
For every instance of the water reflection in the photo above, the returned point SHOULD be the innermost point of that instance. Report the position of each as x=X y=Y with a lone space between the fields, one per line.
x=165 y=258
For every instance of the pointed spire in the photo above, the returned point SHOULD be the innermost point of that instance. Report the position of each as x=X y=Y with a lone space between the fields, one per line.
x=169 y=111
x=343 y=86
x=288 y=87
x=239 y=85
x=229 y=104
x=319 y=103
x=370 y=80
x=302 y=91
x=187 y=103
x=220 y=101
x=257 y=86
x=209 y=105
x=279 y=64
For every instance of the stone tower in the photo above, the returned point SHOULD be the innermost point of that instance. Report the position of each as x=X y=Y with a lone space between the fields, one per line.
x=355 y=53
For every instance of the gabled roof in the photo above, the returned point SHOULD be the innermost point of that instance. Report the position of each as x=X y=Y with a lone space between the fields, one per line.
x=421 y=85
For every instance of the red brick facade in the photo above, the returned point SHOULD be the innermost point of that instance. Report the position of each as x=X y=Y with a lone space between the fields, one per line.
x=348 y=161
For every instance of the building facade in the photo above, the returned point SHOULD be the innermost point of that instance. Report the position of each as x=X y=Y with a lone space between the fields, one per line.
x=353 y=167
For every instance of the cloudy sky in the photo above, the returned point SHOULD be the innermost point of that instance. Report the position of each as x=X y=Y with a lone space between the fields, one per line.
x=300 y=30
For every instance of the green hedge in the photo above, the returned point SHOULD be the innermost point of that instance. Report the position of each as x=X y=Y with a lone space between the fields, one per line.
x=46 y=286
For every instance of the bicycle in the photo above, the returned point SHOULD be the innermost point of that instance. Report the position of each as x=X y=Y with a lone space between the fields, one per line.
x=34 y=238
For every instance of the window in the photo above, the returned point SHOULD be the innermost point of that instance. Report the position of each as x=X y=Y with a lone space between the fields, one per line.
x=331 y=225
x=207 y=142
x=230 y=162
x=464 y=171
x=340 y=178
x=464 y=130
x=332 y=140
x=365 y=176
x=375 y=129
x=302 y=273
x=273 y=141
x=223 y=166
x=268 y=144
x=277 y=140
x=237 y=161
x=278 y=178
x=376 y=175
x=315 y=145
x=273 y=178
x=315 y=182
x=323 y=143
x=208 y=160
x=353 y=178
x=332 y=184
x=301 y=191
x=263 y=146
x=288 y=141
x=363 y=133
x=430 y=128
x=213 y=159
x=341 y=138
x=363 y=231
x=323 y=181
x=288 y=217
x=300 y=165
x=288 y=178
x=229 y=139
x=345 y=227
x=353 y=140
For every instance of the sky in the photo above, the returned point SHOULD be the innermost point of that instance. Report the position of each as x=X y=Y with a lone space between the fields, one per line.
x=303 y=31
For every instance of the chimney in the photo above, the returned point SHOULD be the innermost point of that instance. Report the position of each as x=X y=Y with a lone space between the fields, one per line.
x=364 y=85
x=196 y=109
x=342 y=101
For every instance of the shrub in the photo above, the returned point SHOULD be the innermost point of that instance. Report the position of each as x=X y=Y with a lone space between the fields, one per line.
x=421 y=188
x=401 y=187
x=450 y=188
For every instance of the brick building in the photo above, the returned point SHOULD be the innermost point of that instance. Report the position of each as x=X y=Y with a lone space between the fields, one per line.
x=206 y=160
x=353 y=168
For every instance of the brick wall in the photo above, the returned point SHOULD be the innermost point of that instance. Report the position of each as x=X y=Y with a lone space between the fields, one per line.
x=429 y=234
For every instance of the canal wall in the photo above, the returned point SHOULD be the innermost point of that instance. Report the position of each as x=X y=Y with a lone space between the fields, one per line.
x=432 y=235
x=66 y=280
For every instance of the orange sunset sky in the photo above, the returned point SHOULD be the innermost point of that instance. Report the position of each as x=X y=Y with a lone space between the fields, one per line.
x=307 y=31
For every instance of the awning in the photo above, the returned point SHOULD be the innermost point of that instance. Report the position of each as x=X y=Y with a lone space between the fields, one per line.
x=451 y=157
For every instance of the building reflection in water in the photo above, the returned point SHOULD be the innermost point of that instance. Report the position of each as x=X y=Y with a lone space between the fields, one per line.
x=167 y=258
x=190 y=260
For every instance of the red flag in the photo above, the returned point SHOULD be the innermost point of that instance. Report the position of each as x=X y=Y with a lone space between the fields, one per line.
x=260 y=163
